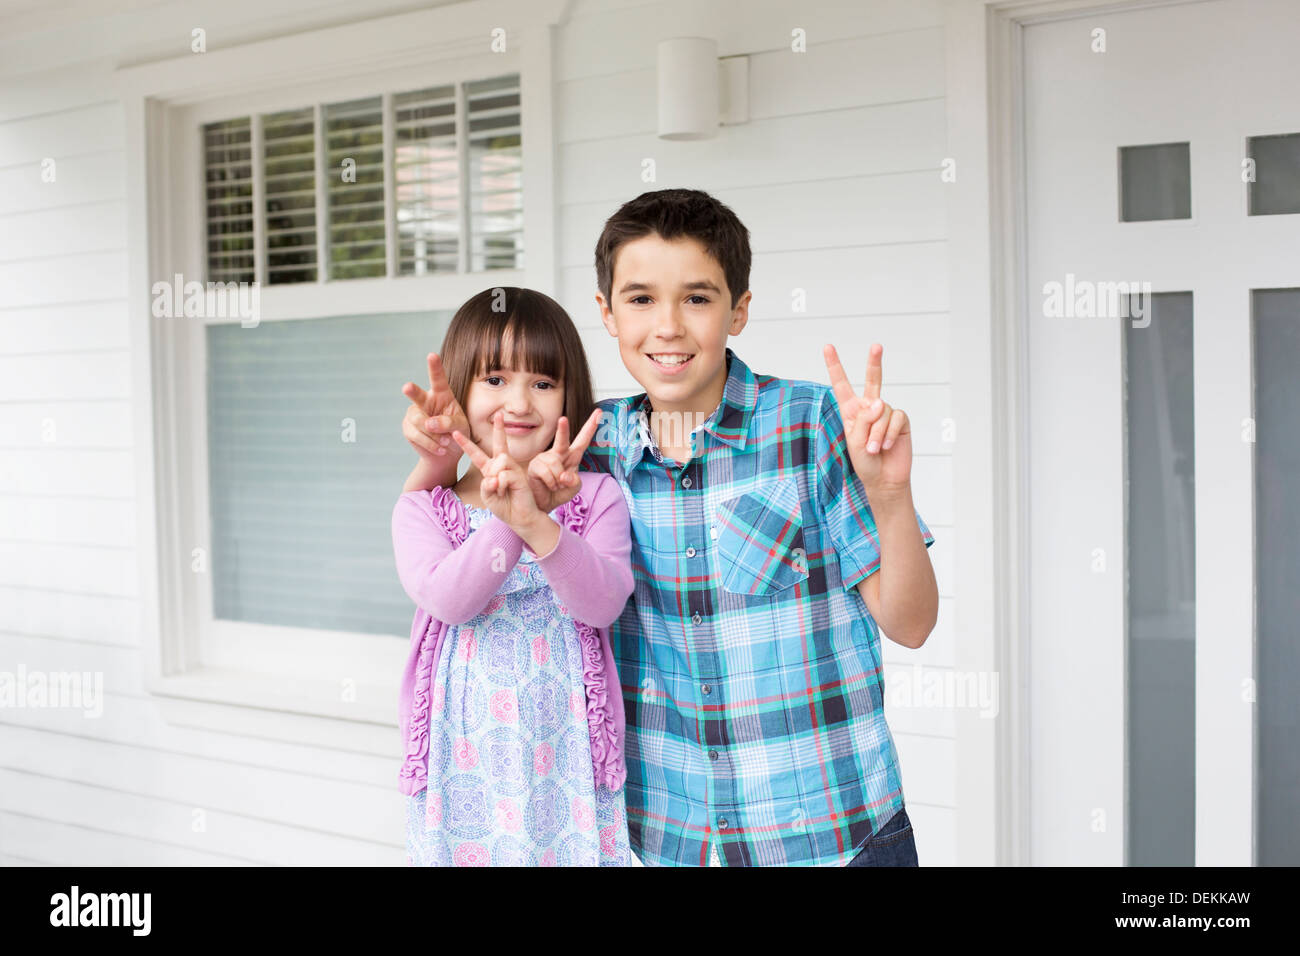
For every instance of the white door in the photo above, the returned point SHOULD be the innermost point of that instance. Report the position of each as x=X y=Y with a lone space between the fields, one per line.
x=1162 y=147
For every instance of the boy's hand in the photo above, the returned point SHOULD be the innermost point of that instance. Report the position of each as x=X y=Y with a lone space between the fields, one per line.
x=553 y=474
x=879 y=437
x=504 y=487
x=432 y=416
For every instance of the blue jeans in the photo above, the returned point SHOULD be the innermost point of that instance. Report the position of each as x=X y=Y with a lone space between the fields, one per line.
x=893 y=845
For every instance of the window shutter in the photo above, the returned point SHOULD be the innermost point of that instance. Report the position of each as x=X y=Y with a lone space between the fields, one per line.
x=355 y=131
x=413 y=183
x=289 y=151
x=428 y=181
x=496 y=183
x=228 y=172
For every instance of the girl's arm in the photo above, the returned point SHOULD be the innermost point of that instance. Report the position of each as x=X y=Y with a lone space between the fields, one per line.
x=427 y=475
x=452 y=584
x=592 y=574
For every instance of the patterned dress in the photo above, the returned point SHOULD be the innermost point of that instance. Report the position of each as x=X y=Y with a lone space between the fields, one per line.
x=511 y=781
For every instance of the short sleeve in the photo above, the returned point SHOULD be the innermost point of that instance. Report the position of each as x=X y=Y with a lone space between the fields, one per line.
x=842 y=498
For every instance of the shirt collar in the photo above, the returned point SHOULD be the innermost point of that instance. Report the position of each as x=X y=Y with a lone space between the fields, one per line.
x=729 y=422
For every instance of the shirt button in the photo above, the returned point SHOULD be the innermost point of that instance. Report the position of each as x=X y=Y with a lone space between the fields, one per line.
x=696 y=619
x=686 y=482
x=690 y=552
x=713 y=755
x=713 y=532
x=706 y=689
x=722 y=823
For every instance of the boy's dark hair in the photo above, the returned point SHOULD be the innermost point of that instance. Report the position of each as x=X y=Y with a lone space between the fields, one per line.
x=674 y=213
x=542 y=338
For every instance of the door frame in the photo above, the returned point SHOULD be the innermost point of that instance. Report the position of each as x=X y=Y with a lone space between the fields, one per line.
x=986 y=237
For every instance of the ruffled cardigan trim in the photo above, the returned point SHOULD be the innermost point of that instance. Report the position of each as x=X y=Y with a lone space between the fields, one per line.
x=602 y=726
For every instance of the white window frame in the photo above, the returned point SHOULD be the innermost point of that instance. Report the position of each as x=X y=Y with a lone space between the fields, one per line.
x=194 y=662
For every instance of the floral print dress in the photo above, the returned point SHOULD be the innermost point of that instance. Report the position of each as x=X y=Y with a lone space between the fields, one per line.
x=511 y=781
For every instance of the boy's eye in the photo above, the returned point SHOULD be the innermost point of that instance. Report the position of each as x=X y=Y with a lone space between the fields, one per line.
x=703 y=299
x=637 y=298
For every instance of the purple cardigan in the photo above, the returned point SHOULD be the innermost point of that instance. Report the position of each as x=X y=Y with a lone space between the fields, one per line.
x=452 y=575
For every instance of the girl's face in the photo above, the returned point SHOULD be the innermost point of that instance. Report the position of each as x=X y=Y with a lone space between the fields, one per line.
x=532 y=404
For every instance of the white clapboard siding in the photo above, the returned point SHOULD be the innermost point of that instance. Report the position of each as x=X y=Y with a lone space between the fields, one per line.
x=71 y=845
x=595 y=41
x=55 y=614
x=836 y=175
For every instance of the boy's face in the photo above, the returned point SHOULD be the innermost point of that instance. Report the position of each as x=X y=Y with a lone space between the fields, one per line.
x=670 y=309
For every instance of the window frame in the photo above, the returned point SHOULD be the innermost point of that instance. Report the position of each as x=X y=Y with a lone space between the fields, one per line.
x=190 y=656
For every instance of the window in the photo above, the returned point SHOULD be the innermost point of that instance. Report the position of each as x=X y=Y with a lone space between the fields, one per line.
x=366 y=180
x=413 y=183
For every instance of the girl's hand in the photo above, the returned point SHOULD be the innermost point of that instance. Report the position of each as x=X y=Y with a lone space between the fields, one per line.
x=553 y=474
x=432 y=416
x=879 y=437
x=504 y=487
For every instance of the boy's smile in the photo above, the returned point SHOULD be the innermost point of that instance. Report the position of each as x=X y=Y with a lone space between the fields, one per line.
x=671 y=311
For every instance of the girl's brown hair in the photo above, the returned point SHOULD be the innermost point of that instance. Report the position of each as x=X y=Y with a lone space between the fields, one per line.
x=543 y=341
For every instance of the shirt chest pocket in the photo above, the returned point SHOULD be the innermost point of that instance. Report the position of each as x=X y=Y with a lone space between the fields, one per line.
x=759 y=535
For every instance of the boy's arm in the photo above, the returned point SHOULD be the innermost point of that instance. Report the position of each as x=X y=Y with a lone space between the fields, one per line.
x=904 y=583
x=903 y=600
x=592 y=573
x=452 y=584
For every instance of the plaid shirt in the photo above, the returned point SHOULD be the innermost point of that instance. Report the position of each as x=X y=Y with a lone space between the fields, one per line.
x=749 y=663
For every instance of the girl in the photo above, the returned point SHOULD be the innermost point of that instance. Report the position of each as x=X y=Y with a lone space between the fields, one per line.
x=511 y=712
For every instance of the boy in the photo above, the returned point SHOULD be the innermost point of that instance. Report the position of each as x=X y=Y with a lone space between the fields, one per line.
x=749 y=664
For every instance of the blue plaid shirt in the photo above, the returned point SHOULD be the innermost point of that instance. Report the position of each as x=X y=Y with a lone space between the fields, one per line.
x=749 y=663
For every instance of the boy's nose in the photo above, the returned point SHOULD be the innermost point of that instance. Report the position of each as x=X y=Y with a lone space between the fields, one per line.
x=668 y=323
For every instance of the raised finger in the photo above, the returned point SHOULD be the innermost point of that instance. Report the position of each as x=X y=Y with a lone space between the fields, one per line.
x=560 y=444
x=498 y=433
x=417 y=395
x=874 y=355
x=839 y=381
x=476 y=454
x=439 y=387
x=579 y=445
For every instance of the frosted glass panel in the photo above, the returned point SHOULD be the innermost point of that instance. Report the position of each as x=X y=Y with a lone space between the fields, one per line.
x=1276 y=314
x=307 y=460
x=1276 y=189
x=1155 y=182
x=1161 y=605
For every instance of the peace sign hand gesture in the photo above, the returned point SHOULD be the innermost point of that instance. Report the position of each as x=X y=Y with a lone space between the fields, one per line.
x=504 y=487
x=432 y=416
x=553 y=474
x=879 y=437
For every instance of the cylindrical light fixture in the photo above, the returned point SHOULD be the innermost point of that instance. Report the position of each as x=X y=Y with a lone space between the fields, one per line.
x=688 y=88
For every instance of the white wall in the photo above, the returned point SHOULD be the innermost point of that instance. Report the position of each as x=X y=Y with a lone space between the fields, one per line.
x=835 y=174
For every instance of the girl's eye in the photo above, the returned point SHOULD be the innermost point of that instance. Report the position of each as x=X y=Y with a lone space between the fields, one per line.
x=491 y=377
x=547 y=384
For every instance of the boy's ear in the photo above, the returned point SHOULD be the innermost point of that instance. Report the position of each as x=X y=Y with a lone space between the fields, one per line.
x=740 y=314
x=607 y=315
